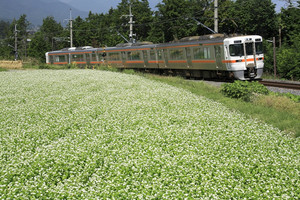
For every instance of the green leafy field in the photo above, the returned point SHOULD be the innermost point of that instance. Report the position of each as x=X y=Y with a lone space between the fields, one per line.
x=93 y=134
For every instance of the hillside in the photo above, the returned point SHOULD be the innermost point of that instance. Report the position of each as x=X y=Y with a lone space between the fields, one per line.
x=37 y=10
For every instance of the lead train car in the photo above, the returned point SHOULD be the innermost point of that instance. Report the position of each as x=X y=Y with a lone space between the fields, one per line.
x=210 y=56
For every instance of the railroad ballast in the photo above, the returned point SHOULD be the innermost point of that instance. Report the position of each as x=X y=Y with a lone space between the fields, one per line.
x=210 y=56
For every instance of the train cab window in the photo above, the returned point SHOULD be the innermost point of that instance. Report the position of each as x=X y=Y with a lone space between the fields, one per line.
x=176 y=54
x=249 y=48
x=259 y=47
x=236 y=50
x=134 y=55
x=51 y=59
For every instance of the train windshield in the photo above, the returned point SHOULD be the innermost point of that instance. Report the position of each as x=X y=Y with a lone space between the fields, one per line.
x=238 y=49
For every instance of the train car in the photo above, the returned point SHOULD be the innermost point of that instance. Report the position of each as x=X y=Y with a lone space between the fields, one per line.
x=210 y=56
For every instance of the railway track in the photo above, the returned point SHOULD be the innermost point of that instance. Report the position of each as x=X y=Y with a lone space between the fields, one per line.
x=287 y=85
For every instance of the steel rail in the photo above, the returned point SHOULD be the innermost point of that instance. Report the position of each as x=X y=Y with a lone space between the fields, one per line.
x=287 y=85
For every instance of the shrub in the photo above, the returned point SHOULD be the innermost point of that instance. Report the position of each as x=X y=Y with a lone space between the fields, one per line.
x=243 y=89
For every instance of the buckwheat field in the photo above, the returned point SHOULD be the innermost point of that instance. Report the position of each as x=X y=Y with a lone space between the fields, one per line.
x=86 y=134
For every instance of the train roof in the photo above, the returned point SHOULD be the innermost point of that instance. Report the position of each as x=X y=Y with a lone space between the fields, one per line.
x=204 y=39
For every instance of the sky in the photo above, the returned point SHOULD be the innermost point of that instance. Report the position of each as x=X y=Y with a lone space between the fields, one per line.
x=102 y=6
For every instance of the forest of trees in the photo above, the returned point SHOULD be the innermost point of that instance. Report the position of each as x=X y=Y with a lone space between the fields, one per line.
x=173 y=19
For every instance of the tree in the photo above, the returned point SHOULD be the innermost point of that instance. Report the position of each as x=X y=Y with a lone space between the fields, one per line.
x=46 y=39
x=289 y=18
x=4 y=49
x=4 y=26
x=255 y=17
x=288 y=59
x=22 y=25
x=172 y=15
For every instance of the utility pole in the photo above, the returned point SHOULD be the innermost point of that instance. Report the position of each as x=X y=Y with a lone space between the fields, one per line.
x=16 y=42
x=274 y=56
x=131 y=22
x=216 y=16
x=71 y=28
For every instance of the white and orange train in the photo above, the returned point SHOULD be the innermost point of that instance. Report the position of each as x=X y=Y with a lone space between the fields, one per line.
x=210 y=56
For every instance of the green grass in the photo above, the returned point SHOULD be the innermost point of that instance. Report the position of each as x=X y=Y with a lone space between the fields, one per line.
x=3 y=70
x=277 y=111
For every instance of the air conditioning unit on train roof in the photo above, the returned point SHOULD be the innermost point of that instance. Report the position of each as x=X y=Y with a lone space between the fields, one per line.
x=202 y=37
x=87 y=47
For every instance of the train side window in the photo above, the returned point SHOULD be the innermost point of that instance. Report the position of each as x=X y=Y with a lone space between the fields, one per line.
x=176 y=54
x=94 y=57
x=207 y=53
x=134 y=55
x=62 y=58
x=114 y=56
x=198 y=53
x=152 y=55
x=77 y=57
x=159 y=55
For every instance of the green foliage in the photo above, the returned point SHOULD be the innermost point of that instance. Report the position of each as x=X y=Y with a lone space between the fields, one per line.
x=255 y=17
x=243 y=89
x=289 y=23
x=4 y=26
x=293 y=97
x=288 y=59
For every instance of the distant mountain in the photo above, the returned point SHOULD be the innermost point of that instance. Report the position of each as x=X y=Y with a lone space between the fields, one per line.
x=37 y=10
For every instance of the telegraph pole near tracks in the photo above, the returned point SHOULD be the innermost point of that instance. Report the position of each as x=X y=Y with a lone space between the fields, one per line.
x=216 y=16
x=16 y=42
x=71 y=29
x=131 y=22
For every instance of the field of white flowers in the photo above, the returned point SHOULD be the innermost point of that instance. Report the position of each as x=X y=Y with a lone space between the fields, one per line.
x=92 y=134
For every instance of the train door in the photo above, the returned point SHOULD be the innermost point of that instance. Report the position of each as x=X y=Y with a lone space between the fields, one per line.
x=123 y=56
x=88 y=59
x=145 y=58
x=165 y=54
x=218 y=57
x=188 y=57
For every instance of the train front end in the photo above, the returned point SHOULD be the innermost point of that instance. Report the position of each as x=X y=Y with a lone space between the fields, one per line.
x=244 y=57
